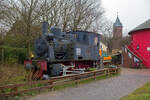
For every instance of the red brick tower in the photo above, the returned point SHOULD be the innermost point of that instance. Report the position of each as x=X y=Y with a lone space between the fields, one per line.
x=117 y=34
x=117 y=28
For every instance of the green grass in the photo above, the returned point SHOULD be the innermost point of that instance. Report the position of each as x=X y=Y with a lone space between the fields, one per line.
x=92 y=69
x=142 y=93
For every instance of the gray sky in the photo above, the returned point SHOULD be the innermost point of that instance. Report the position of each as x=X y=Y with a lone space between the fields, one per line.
x=131 y=12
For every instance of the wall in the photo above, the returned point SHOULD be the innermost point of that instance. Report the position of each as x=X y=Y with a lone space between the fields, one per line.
x=117 y=31
x=88 y=47
x=140 y=43
x=117 y=37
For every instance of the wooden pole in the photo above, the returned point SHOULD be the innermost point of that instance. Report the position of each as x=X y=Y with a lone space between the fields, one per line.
x=2 y=55
x=2 y=49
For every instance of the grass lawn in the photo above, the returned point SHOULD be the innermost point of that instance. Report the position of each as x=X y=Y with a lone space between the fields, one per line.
x=142 y=93
x=12 y=74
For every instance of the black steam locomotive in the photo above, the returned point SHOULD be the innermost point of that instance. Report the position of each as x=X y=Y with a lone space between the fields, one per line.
x=54 y=50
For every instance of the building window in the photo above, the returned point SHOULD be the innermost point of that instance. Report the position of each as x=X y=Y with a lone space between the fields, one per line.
x=125 y=50
x=148 y=48
x=84 y=37
x=129 y=54
x=136 y=60
x=78 y=51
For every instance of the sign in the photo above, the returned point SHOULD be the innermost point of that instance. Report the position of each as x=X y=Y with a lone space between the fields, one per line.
x=100 y=52
x=78 y=51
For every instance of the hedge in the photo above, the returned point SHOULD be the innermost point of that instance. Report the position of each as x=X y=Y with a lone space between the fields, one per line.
x=13 y=55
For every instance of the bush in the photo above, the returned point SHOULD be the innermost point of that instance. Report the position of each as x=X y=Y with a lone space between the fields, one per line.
x=13 y=55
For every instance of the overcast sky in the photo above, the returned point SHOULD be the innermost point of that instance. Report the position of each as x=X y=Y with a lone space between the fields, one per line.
x=131 y=12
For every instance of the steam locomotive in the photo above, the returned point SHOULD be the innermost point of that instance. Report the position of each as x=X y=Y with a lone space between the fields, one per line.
x=55 y=50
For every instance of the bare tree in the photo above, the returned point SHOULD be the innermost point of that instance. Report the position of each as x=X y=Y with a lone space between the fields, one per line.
x=67 y=14
x=85 y=13
x=106 y=28
x=72 y=14
x=126 y=40
x=26 y=11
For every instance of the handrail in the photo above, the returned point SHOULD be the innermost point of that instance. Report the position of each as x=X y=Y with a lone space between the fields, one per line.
x=134 y=54
x=139 y=54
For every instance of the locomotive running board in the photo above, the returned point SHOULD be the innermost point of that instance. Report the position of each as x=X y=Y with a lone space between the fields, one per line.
x=74 y=71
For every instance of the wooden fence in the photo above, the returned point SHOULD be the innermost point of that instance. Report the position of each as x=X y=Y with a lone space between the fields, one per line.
x=15 y=89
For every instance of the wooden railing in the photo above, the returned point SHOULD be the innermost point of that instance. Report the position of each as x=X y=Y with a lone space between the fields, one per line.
x=16 y=89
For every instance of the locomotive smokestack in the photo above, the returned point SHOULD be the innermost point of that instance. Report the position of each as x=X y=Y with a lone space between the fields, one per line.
x=45 y=27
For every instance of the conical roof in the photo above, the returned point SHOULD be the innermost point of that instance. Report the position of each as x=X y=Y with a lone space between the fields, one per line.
x=117 y=22
x=145 y=25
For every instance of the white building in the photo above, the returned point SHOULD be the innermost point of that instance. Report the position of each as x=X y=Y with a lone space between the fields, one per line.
x=103 y=46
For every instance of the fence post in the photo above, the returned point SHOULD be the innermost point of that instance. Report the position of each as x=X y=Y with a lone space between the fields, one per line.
x=108 y=72
x=105 y=71
x=76 y=81
x=51 y=83
x=115 y=70
x=94 y=76
x=2 y=55
x=15 y=89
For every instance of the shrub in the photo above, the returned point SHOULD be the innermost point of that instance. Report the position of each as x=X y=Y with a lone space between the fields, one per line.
x=13 y=55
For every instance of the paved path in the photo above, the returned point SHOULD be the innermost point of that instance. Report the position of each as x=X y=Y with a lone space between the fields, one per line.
x=109 y=89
